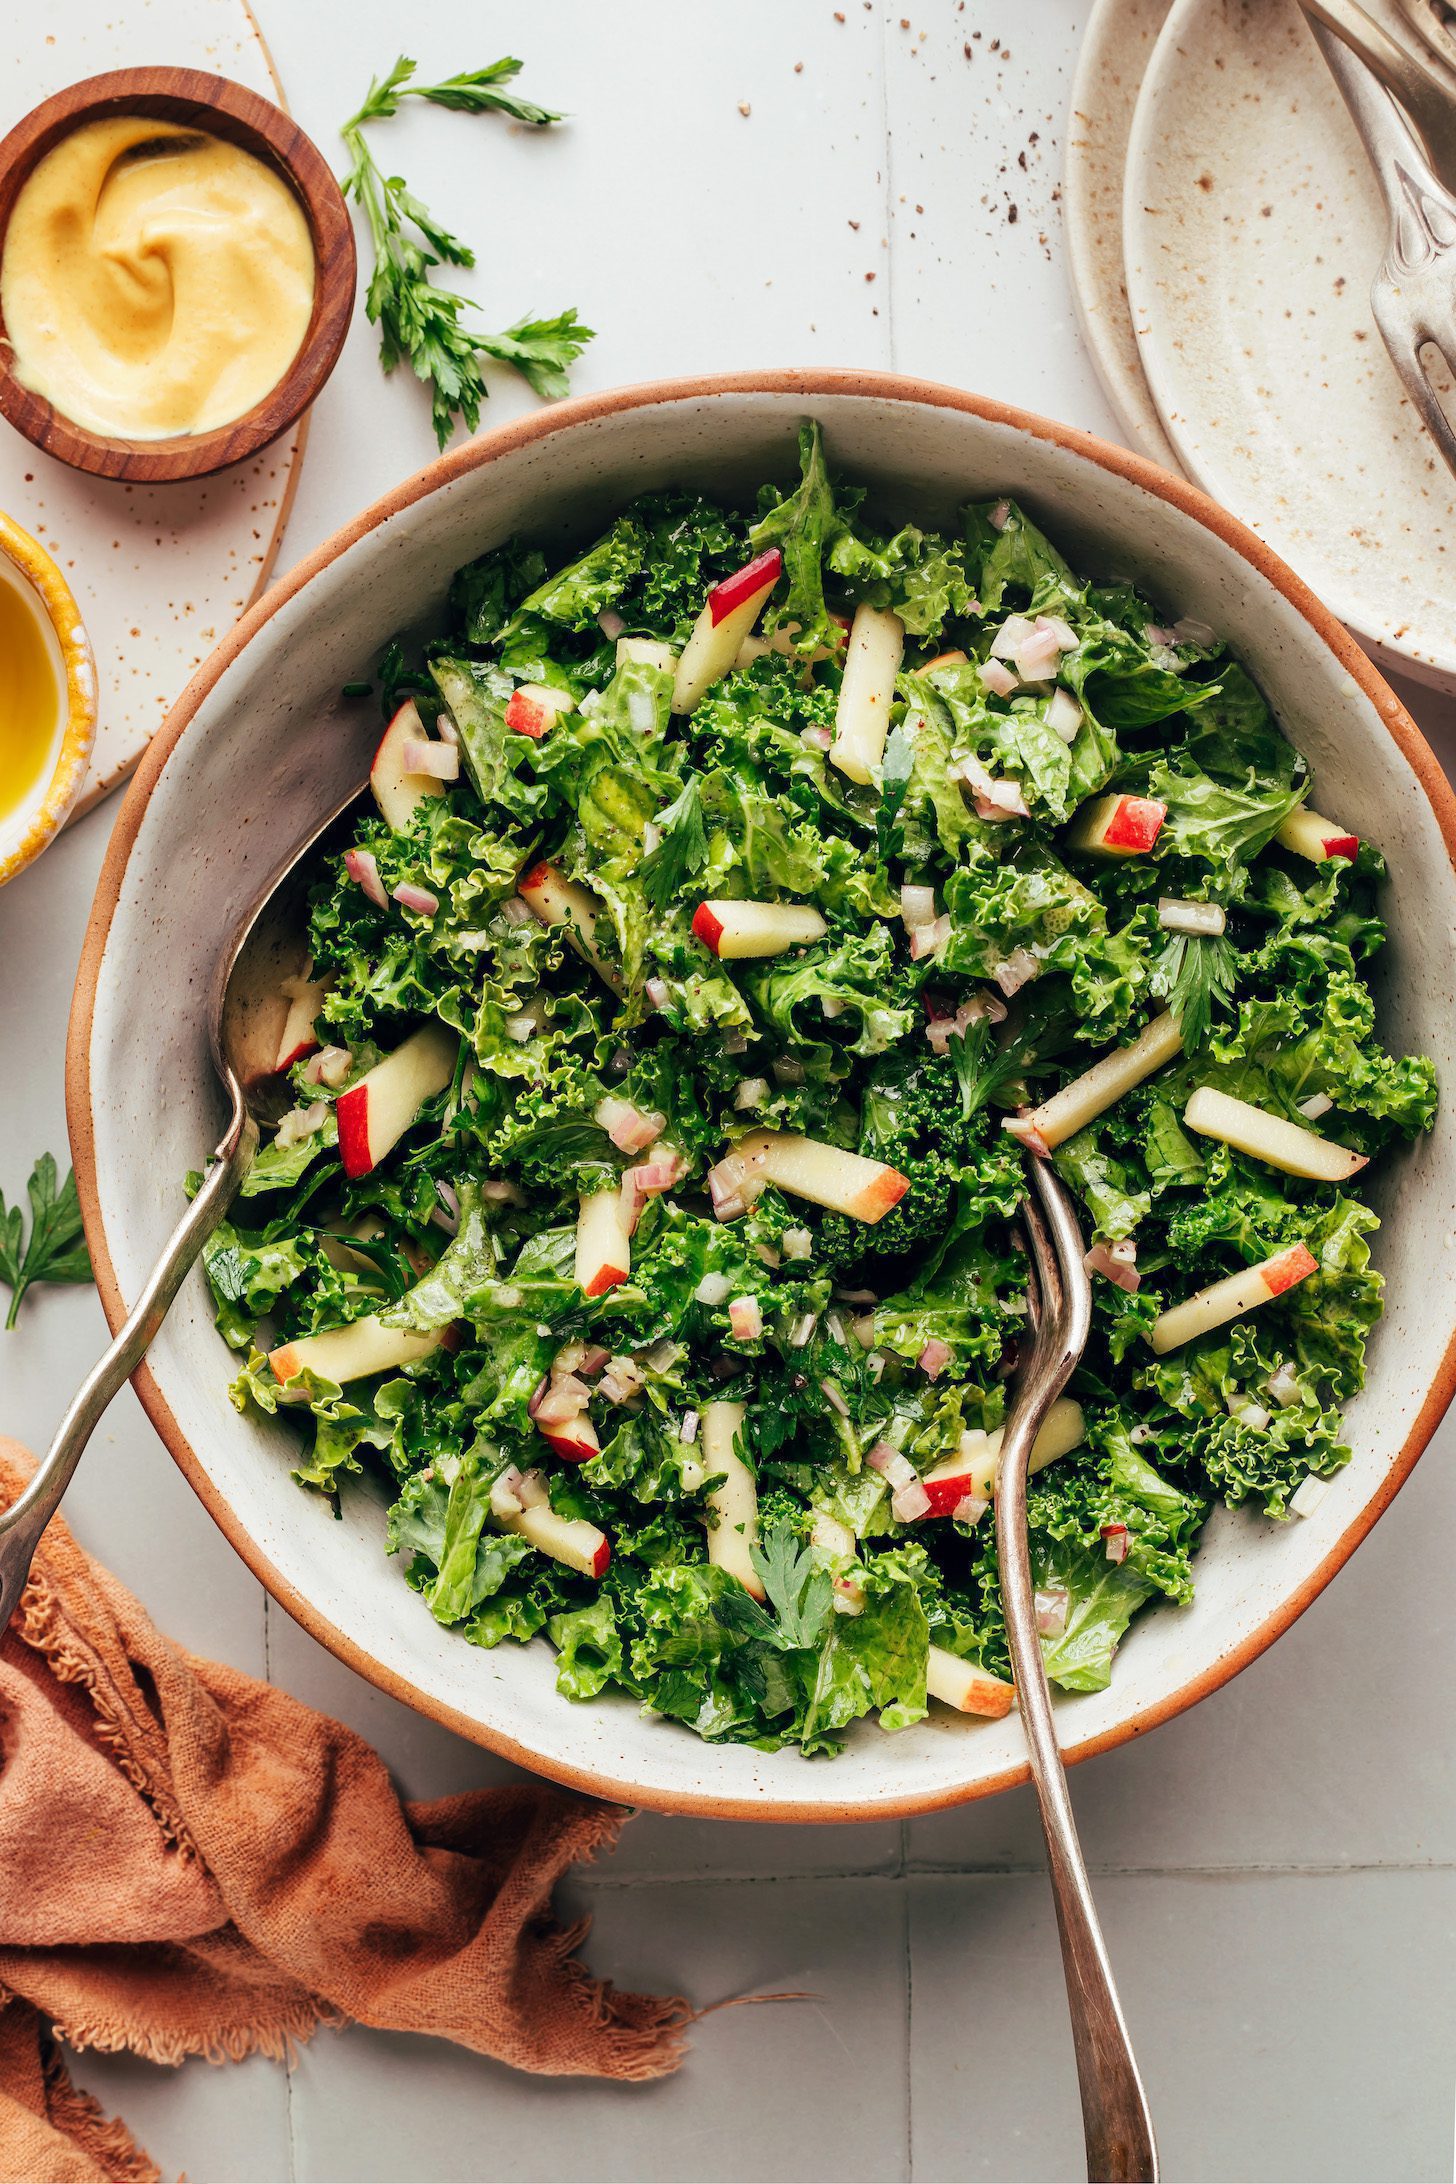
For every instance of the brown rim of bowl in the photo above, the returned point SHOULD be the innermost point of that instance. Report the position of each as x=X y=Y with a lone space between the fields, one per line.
x=880 y=386
x=224 y=109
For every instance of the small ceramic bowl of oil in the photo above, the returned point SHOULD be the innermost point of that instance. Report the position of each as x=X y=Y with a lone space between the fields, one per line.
x=47 y=699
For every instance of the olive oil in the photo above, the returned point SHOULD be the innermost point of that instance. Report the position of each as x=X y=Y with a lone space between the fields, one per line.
x=30 y=696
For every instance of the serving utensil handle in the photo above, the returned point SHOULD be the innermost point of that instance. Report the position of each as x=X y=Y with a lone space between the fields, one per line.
x=22 y=1524
x=1116 y=2122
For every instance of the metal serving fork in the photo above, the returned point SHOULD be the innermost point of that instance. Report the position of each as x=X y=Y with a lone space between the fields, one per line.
x=1413 y=294
x=1116 y=2123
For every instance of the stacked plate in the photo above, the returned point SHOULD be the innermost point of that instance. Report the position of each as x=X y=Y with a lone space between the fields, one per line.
x=1224 y=226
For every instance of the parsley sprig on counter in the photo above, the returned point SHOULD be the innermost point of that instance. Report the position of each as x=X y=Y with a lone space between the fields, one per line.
x=671 y=1289
x=421 y=323
x=55 y=1250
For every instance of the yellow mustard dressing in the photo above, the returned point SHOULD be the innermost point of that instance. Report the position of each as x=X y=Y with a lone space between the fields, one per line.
x=30 y=698
x=155 y=281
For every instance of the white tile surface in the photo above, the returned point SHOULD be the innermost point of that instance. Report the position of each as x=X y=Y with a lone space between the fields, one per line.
x=1295 y=2023
x=811 y=2091
x=1283 y=2024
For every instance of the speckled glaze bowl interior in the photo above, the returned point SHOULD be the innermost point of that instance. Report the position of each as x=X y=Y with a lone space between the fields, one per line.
x=262 y=743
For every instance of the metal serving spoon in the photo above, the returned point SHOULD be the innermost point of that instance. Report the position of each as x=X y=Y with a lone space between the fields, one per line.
x=244 y=1023
x=1116 y=2122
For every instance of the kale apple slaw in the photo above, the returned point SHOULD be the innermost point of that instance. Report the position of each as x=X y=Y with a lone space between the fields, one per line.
x=745 y=902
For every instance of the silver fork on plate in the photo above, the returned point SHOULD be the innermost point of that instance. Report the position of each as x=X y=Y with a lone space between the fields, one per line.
x=1116 y=2123
x=1413 y=294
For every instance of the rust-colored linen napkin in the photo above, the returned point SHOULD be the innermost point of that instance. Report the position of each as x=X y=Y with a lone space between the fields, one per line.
x=193 y=1863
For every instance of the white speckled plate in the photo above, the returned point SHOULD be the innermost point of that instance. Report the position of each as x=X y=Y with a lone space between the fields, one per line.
x=1252 y=225
x=159 y=572
x=1116 y=48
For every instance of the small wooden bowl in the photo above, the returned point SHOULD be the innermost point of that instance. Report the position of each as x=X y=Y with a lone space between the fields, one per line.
x=223 y=109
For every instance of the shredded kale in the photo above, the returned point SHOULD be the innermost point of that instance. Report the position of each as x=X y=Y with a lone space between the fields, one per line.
x=586 y=1233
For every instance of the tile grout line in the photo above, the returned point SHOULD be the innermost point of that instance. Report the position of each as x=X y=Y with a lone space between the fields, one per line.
x=908 y=1934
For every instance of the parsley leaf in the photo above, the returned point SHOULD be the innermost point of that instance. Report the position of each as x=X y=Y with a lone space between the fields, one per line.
x=682 y=846
x=980 y=1067
x=1193 y=974
x=802 y=1593
x=420 y=323
x=56 y=1251
x=895 y=773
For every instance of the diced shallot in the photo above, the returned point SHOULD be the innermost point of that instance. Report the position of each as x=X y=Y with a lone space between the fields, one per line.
x=999 y=514
x=712 y=1289
x=1156 y=634
x=1187 y=631
x=1064 y=715
x=363 y=869
x=970 y=1510
x=996 y=678
x=934 y=1358
x=610 y=623
x=908 y=1504
x=517 y=912
x=559 y=1405
x=1014 y=632
x=1115 y=1262
x=1037 y=659
x=917 y=906
x=1051 y=1607
x=802 y=1329
x=1000 y=799
x=1115 y=1542
x=1205 y=919
x=797 y=1243
x=752 y=1092
x=687 y=1432
x=929 y=939
x=1318 y=1103
x=892 y=1466
x=410 y=897
x=729 y=1183
x=834 y=1396
x=621 y=1380
x=745 y=1319
x=330 y=1066
x=299 y=1123
x=440 y=760
x=508 y=1483
x=1244 y=1411
x=1018 y=970
x=631 y=1128
x=940 y=1030
x=787 y=1070
x=657 y=993
x=817 y=739
x=1284 y=1385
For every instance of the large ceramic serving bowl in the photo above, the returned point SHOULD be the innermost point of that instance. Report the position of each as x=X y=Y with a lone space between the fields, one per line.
x=262 y=742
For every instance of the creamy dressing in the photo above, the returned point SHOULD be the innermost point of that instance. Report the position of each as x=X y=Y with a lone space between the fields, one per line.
x=156 y=281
